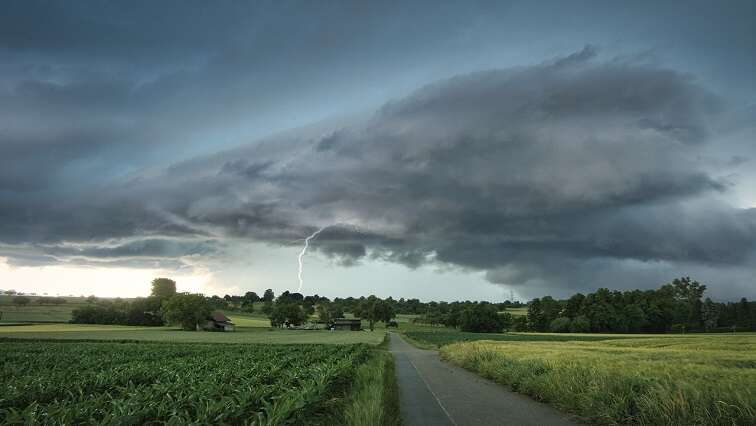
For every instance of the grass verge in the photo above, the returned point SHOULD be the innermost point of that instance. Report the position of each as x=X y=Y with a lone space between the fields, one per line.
x=374 y=397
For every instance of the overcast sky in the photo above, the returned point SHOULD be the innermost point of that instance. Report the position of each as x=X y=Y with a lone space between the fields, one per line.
x=448 y=150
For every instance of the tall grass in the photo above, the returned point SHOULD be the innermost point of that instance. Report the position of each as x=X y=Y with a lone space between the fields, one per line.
x=374 y=399
x=706 y=380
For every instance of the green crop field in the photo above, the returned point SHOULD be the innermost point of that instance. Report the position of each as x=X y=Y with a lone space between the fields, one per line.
x=668 y=380
x=168 y=334
x=138 y=383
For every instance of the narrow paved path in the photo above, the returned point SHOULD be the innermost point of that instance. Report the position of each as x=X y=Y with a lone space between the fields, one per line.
x=432 y=392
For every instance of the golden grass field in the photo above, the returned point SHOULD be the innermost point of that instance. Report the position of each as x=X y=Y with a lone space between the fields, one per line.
x=690 y=380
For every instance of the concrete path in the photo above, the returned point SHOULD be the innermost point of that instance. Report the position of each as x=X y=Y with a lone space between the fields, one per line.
x=432 y=392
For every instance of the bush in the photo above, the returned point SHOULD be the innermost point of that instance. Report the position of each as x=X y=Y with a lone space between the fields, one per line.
x=140 y=311
x=481 y=318
x=505 y=320
x=560 y=325
x=520 y=323
x=580 y=324
x=21 y=300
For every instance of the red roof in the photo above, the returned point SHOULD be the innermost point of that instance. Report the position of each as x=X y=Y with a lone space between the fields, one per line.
x=219 y=317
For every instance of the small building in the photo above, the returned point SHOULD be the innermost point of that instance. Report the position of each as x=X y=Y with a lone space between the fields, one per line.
x=218 y=322
x=347 y=324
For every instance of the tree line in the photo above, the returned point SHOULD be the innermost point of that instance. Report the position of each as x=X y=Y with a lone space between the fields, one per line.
x=678 y=306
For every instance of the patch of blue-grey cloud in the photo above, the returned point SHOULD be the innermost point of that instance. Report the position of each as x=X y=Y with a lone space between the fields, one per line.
x=536 y=161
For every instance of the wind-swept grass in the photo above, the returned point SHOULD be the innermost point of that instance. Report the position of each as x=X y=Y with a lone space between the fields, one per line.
x=702 y=380
x=374 y=397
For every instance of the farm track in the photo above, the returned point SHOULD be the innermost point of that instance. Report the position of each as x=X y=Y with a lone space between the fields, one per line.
x=432 y=392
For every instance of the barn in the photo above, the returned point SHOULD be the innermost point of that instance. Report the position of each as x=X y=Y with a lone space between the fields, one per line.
x=218 y=322
x=347 y=324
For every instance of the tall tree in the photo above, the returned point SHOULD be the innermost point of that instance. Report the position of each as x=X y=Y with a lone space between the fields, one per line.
x=268 y=296
x=163 y=288
x=186 y=309
x=709 y=314
x=536 y=318
x=481 y=318
x=689 y=292
x=21 y=300
x=251 y=297
x=324 y=313
x=287 y=313
x=743 y=314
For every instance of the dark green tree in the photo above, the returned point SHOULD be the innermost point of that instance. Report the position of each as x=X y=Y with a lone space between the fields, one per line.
x=21 y=301
x=580 y=324
x=506 y=320
x=251 y=297
x=163 y=288
x=689 y=293
x=481 y=318
x=374 y=309
x=287 y=313
x=537 y=320
x=743 y=314
x=186 y=309
x=268 y=296
x=267 y=308
x=324 y=313
x=709 y=314
x=560 y=325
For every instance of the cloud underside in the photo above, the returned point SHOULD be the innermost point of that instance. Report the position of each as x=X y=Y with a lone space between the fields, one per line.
x=537 y=174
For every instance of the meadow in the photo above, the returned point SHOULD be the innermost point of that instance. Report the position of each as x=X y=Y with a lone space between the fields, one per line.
x=662 y=380
x=171 y=334
x=138 y=383
x=10 y=313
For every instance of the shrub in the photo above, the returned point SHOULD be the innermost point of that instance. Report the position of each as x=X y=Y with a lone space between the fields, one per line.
x=481 y=318
x=520 y=323
x=560 y=325
x=580 y=324
x=21 y=300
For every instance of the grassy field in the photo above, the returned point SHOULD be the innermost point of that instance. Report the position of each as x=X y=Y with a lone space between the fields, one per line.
x=37 y=313
x=667 y=380
x=128 y=383
x=34 y=312
x=440 y=336
x=243 y=319
x=168 y=334
x=517 y=312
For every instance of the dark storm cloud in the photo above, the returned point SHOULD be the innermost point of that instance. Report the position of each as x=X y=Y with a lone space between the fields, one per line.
x=530 y=173
x=115 y=120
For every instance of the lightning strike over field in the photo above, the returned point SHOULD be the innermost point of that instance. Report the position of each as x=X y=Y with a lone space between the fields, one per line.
x=303 y=252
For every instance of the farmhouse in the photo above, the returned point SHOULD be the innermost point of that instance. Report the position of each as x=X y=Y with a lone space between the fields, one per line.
x=347 y=324
x=217 y=322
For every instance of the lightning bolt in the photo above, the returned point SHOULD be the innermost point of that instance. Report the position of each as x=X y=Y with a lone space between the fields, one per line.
x=303 y=252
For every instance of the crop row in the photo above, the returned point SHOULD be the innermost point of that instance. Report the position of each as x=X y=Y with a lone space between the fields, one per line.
x=142 y=383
